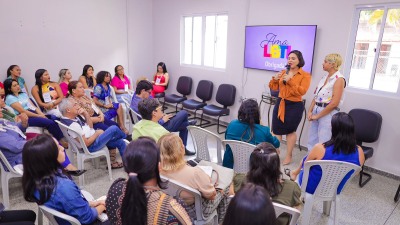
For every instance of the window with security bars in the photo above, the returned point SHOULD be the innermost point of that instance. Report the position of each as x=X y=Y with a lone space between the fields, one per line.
x=375 y=48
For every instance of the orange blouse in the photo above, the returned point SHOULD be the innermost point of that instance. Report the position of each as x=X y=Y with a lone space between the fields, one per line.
x=294 y=89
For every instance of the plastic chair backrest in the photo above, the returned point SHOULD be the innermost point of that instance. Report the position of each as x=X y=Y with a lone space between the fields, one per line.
x=367 y=125
x=184 y=86
x=72 y=143
x=113 y=95
x=175 y=188
x=51 y=213
x=89 y=92
x=241 y=154
x=135 y=116
x=204 y=90
x=279 y=209
x=6 y=166
x=200 y=138
x=333 y=173
x=226 y=95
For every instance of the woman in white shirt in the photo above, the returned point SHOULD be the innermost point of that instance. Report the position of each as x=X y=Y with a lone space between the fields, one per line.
x=327 y=98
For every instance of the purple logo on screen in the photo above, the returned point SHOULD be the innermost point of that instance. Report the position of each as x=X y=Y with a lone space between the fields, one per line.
x=267 y=47
x=277 y=48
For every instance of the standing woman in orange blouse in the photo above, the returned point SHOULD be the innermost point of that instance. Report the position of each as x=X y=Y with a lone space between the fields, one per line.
x=289 y=107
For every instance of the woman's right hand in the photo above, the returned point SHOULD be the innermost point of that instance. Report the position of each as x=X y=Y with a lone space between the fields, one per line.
x=109 y=106
x=309 y=115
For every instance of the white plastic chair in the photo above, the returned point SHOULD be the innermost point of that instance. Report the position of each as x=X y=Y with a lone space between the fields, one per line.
x=200 y=138
x=333 y=173
x=88 y=92
x=7 y=172
x=134 y=114
x=125 y=115
x=294 y=213
x=241 y=154
x=82 y=151
x=175 y=188
x=51 y=214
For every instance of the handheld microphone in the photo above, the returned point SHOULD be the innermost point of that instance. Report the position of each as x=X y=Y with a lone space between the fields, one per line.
x=287 y=72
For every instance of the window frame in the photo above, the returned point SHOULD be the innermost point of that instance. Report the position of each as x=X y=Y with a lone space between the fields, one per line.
x=203 y=34
x=351 y=47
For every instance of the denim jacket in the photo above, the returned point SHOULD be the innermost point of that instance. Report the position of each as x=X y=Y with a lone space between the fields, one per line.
x=67 y=198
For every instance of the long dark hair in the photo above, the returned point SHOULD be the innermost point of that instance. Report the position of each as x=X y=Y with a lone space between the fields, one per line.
x=101 y=76
x=7 y=86
x=249 y=113
x=38 y=74
x=39 y=159
x=251 y=205
x=9 y=70
x=163 y=66
x=141 y=160
x=265 y=168
x=89 y=81
x=343 y=134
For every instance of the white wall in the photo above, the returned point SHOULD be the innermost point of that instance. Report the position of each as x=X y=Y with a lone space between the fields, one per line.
x=62 y=34
x=334 y=23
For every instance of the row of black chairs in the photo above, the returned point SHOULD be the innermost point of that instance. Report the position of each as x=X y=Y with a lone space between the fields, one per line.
x=225 y=96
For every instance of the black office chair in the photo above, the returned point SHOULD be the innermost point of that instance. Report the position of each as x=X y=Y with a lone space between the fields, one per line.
x=226 y=94
x=204 y=92
x=184 y=87
x=367 y=125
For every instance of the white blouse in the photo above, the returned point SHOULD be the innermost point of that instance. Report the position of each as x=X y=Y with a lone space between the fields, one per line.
x=323 y=94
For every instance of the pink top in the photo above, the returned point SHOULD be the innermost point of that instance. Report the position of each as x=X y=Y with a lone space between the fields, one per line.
x=119 y=84
x=64 y=88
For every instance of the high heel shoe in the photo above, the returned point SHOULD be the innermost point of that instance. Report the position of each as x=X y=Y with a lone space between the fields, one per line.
x=76 y=173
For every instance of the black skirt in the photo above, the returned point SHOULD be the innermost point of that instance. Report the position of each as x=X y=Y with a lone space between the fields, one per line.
x=293 y=114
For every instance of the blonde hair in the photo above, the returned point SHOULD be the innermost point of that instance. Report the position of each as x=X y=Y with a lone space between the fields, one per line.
x=171 y=154
x=335 y=59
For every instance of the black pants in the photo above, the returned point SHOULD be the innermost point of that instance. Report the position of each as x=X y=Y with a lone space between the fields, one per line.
x=18 y=217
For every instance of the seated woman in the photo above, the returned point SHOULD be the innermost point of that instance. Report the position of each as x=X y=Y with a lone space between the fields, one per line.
x=265 y=170
x=160 y=80
x=44 y=183
x=251 y=205
x=121 y=84
x=342 y=147
x=102 y=98
x=173 y=166
x=65 y=77
x=21 y=103
x=139 y=199
x=87 y=78
x=2 y=93
x=14 y=72
x=246 y=128
x=47 y=94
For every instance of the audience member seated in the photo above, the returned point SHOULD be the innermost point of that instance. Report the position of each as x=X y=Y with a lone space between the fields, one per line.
x=97 y=117
x=265 y=170
x=2 y=93
x=121 y=84
x=44 y=183
x=173 y=166
x=251 y=205
x=341 y=147
x=14 y=72
x=102 y=98
x=47 y=94
x=177 y=123
x=160 y=79
x=21 y=103
x=95 y=140
x=139 y=199
x=17 y=217
x=87 y=78
x=13 y=139
x=65 y=77
x=247 y=128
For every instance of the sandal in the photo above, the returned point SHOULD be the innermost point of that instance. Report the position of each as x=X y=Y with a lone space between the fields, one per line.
x=288 y=173
x=113 y=159
x=116 y=165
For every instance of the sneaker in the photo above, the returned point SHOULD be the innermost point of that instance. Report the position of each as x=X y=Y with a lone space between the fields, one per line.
x=192 y=122
x=187 y=152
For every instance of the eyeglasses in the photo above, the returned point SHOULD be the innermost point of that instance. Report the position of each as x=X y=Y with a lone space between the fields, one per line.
x=159 y=107
x=108 y=75
x=149 y=91
x=120 y=69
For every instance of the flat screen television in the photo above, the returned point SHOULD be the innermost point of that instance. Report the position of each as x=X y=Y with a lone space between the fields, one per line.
x=267 y=47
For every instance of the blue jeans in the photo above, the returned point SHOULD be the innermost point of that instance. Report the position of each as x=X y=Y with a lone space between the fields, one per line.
x=179 y=123
x=320 y=130
x=112 y=137
x=104 y=125
x=49 y=124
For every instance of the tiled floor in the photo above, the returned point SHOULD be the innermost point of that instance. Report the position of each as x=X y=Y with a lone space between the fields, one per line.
x=372 y=204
